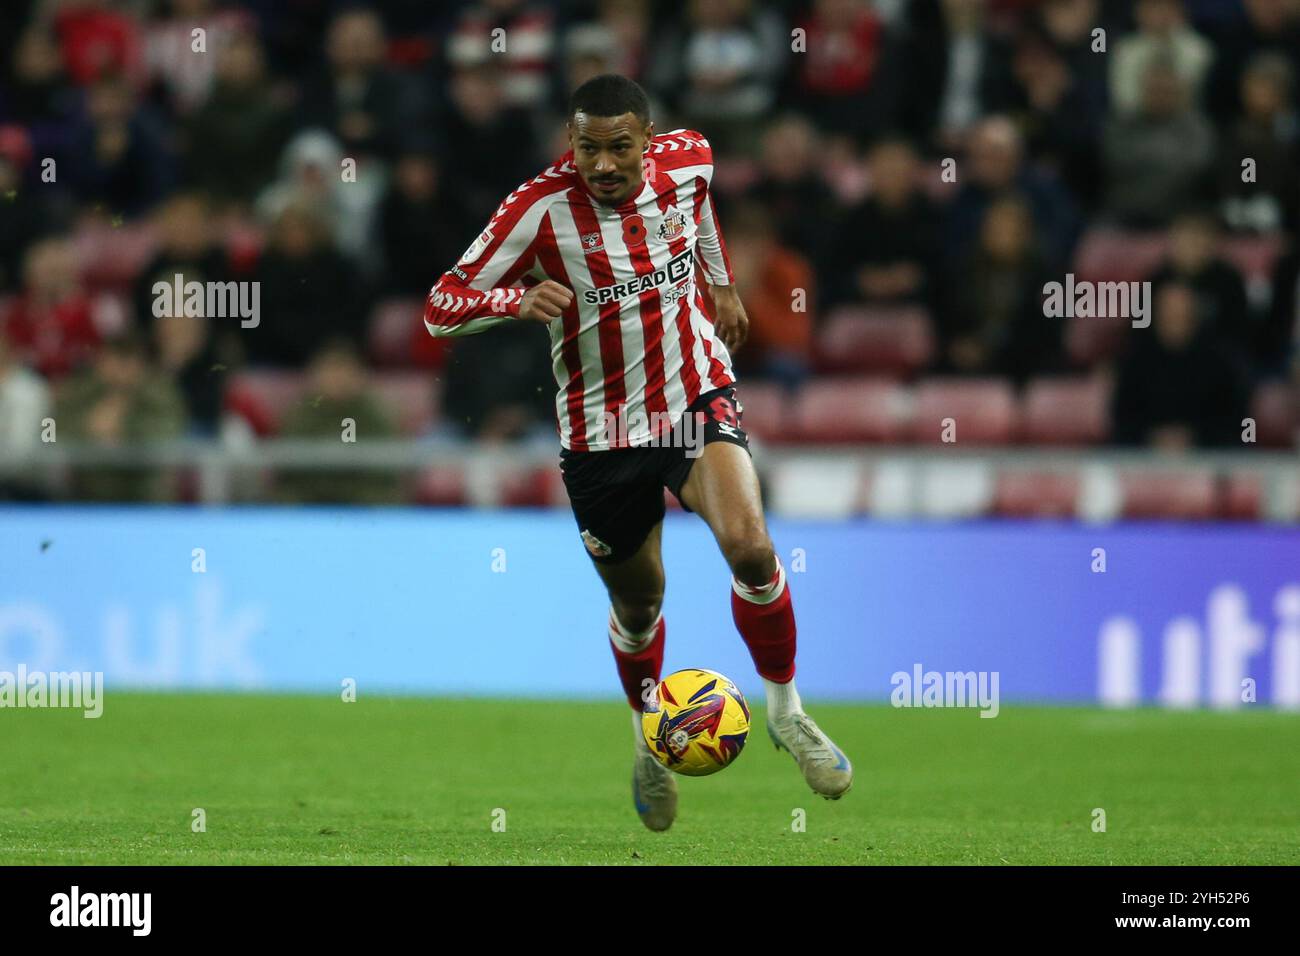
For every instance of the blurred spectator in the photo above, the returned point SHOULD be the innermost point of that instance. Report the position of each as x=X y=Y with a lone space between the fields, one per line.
x=618 y=36
x=363 y=103
x=186 y=247
x=491 y=147
x=995 y=166
x=953 y=70
x=309 y=292
x=994 y=322
x=779 y=293
x=1176 y=389
x=1270 y=26
x=886 y=249
x=499 y=385
x=187 y=352
x=24 y=402
x=791 y=186
x=49 y=324
x=720 y=68
x=1060 y=118
x=337 y=390
x=121 y=401
x=186 y=74
x=1193 y=260
x=97 y=40
x=37 y=92
x=1067 y=26
x=422 y=226
x=1266 y=134
x=27 y=210
x=1163 y=36
x=835 y=80
x=1157 y=159
x=118 y=156
x=527 y=47
x=311 y=175
x=235 y=135
x=1278 y=346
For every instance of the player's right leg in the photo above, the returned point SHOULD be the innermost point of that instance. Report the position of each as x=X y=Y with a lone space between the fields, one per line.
x=620 y=518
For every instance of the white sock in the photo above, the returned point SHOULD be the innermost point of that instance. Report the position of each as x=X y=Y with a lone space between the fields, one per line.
x=782 y=699
x=630 y=642
x=636 y=729
x=766 y=593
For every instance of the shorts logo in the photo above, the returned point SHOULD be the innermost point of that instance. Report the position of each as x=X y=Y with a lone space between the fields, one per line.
x=673 y=225
x=591 y=242
x=476 y=249
x=598 y=548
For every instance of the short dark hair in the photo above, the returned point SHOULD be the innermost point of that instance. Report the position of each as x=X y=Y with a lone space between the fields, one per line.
x=610 y=94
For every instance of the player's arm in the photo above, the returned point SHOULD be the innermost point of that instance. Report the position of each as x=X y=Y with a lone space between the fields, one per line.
x=480 y=290
x=729 y=320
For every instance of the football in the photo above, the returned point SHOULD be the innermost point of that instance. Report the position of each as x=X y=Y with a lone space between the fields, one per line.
x=695 y=721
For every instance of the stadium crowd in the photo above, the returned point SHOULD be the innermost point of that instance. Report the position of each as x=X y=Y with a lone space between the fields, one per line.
x=896 y=183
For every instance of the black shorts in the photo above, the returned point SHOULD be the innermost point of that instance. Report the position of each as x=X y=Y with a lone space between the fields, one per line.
x=618 y=495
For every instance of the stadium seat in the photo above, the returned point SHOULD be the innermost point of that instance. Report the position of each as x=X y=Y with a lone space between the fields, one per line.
x=983 y=411
x=1066 y=411
x=1242 y=496
x=1036 y=494
x=766 y=406
x=1089 y=340
x=263 y=397
x=529 y=487
x=888 y=340
x=850 y=410
x=441 y=485
x=1106 y=254
x=1275 y=406
x=113 y=256
x=1188 y=495
x=414 y=397
x=398 y=337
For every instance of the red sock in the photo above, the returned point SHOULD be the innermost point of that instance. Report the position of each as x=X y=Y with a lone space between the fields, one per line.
x=635 y=666
x=767 y=625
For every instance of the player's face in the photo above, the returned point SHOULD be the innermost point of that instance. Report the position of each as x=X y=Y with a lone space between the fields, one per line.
x=608 y=152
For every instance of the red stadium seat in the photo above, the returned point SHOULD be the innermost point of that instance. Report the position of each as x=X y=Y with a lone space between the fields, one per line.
x=529 y=487
x=1089 y=340
x=398 y=336
x=1036 y=494
x=1275 y=407
x=765 y=408
x=1187 y=495
x=415 y=398
x=441 y=485
x=263 y=398
x=1066 y=411
x=1243 y=496
x=1115 y=255
x=850 y=410
x=983 y=410
x=890 y=340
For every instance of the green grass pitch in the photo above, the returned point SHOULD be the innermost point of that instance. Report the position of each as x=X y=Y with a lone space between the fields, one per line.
x=308 y=780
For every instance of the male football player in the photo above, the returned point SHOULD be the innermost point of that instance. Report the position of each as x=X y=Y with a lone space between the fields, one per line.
x=603 y=247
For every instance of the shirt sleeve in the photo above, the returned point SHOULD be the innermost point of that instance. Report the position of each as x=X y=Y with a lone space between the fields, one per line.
x=710 y=249
x=479 y=291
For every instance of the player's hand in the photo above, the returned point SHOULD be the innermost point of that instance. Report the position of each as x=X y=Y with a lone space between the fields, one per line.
x=545 y=301
x=729 y=319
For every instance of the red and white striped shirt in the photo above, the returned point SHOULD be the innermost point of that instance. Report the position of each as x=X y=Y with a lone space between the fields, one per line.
x=636 y=345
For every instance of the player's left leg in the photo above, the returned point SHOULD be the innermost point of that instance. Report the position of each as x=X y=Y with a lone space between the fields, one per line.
x=722 y=487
